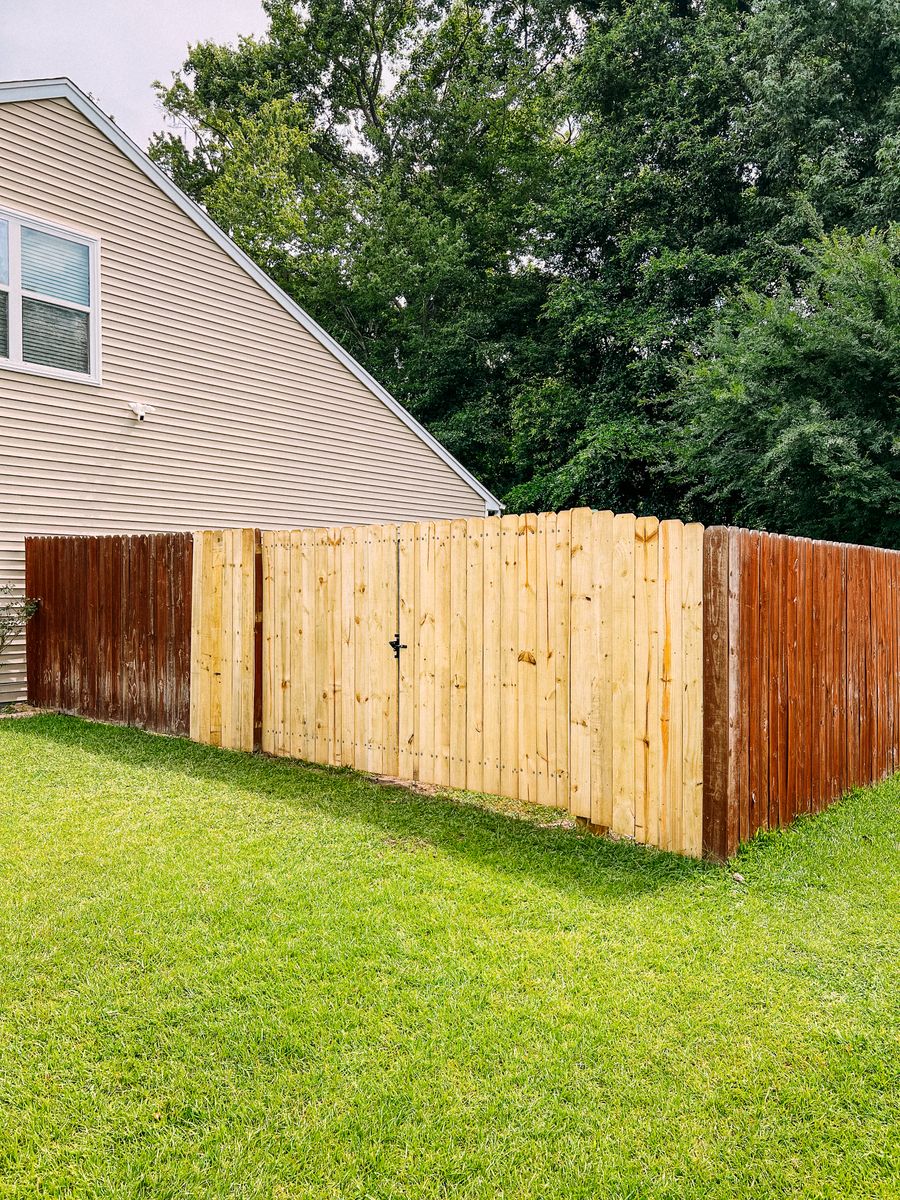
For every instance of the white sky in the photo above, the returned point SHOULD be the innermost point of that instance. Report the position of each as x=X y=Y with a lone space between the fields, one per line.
x=114 y=49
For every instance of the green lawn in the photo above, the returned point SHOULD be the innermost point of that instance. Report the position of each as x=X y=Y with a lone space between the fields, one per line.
x=223 y=976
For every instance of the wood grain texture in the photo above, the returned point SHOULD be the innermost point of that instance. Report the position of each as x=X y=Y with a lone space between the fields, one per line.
x=814 y=646
x=623 y=685
x=526 y=657
x=492 y=573
x=692 y=690
x=112 y=636
x=583 y=661
x=602 y=534
x=474 y=654
x=545 y=682
x=458 y=653
x=646 y=676
x=719 y=815
x=509 y=647
x=562 y=601
x=407 y=750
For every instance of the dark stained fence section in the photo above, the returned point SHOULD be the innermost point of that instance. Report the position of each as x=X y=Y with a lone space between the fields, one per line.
x=801 y=678
x=112 y=636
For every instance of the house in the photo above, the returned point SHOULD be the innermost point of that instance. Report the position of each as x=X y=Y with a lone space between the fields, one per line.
x=120 y=297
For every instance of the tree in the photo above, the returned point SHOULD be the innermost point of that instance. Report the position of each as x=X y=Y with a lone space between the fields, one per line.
x=642 y=231
x=380 y=161
x=521 y=217
x=792 y=402
x=819 y=125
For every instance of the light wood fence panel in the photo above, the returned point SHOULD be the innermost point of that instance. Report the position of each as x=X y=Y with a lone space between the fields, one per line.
x=223 y=631
x=564 y=668
x=552 y=658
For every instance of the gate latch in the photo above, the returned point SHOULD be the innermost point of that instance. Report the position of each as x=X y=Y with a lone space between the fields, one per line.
x=396 y=645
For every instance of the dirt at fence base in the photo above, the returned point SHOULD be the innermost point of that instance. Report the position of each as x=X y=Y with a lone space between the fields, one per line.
x=19 y=709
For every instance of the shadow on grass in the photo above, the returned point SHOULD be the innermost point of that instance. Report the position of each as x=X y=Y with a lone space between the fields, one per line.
x=519 y=845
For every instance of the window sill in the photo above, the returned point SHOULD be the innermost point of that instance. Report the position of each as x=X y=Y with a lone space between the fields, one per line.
x=51 y=373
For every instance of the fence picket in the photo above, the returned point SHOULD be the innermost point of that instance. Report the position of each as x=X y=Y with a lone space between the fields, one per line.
x=492 y=567
x=546 y=712
x=407 y=708
x=560 y=636
x=602 y=537
x=509 y=640
x=646 y=681
x=389 y=664
x=622 y=658
x=458 y=653
x=691 y=703
x=671 y=663
x=581 y=686
x=426 y=653
x=474 y=535
x=526 y=658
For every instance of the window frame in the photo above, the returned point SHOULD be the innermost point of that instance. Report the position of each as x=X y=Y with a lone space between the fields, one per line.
x=15 y=219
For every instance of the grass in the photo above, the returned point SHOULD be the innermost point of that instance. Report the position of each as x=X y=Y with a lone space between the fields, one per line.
x=223 y=976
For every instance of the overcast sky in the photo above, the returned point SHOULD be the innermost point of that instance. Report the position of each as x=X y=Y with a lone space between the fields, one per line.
x=114 y=49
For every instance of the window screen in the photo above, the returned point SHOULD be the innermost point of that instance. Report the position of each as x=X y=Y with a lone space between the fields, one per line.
x=56 y=267
x=55 y=337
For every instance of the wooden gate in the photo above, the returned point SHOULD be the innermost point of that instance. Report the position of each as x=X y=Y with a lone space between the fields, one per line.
x=557 y=658
x=552 y=658
x=330 y=675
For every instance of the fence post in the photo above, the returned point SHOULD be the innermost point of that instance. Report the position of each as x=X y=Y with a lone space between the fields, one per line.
x=720 y=809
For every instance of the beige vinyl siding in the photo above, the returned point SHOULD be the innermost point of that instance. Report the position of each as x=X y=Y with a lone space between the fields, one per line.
x=257 y=423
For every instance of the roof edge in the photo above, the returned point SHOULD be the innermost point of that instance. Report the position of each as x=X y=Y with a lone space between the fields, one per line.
x=64 y=89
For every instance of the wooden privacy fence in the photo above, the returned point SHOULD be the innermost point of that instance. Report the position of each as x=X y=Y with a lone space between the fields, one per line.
x=112 y=635
x=554 y=658
x=802 y=670
x=679 y=686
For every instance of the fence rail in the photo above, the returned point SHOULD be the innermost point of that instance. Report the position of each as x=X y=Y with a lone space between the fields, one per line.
x=679 y=686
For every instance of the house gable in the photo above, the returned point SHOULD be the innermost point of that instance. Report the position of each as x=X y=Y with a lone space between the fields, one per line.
x=31 y=93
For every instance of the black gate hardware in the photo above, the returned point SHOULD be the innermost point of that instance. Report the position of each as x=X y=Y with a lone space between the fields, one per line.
x=396 y=645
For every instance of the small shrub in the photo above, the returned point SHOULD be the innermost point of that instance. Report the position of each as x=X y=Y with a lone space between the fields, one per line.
x=15 y=613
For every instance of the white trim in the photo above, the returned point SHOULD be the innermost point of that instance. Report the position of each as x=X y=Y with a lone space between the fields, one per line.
x=64 y=89
x=15 y=220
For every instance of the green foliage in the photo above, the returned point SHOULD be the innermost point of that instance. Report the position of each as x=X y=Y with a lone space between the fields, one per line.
x=230 y=976
x=819 y=128
x=15 y=613
x=792 y=404
x=643 y=231
x=521 y=218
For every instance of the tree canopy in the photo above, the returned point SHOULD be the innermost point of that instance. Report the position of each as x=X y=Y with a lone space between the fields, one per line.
x=565 y=235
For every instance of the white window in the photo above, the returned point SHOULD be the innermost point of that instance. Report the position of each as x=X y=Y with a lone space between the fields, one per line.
x=49 y=299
